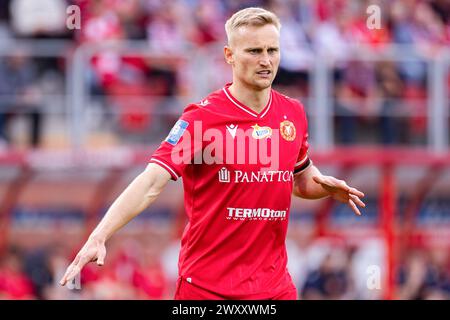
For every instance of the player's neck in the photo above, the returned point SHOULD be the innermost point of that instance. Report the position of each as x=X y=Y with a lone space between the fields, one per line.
x=254 y=99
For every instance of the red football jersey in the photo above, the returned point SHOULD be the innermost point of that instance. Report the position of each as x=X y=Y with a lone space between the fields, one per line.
x=238 y=169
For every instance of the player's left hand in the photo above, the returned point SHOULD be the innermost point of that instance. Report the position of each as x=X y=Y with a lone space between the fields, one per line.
x=340 y=191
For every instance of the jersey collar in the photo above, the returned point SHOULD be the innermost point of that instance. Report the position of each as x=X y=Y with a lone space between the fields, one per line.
x=244 y=107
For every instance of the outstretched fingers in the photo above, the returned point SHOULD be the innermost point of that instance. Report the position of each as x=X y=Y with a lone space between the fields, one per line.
x=71 y=272
x=343 y=192
x=354 y=207
x=356 y=192
x=351 y=191
x=332 y=182
x=74 y=269
x=357 y=200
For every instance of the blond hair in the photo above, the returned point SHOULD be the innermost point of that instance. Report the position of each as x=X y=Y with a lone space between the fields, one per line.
x=250 y=17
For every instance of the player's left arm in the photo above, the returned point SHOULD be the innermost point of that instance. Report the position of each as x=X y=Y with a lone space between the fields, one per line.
x=311 y=184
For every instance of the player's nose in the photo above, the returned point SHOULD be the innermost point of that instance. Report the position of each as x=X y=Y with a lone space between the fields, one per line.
x=265 y=60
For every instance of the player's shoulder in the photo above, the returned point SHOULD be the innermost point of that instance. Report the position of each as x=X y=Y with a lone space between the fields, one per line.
x=286 y=100
x=207 y=103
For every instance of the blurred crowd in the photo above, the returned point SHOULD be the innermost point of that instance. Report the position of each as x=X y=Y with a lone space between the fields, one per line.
x=389 y=97
x=132 y=271
x=321 y=268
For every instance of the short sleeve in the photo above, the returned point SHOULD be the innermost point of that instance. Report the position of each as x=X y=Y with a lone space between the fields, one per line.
x=303 y=160
x=177 y=151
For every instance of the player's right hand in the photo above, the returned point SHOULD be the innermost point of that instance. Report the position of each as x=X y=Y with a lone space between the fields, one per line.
x=93 y=250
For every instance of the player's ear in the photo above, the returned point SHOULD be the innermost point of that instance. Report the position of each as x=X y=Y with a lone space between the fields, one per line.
x=228 y=53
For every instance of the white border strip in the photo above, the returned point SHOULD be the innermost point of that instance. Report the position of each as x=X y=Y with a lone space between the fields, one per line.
x=166 y=166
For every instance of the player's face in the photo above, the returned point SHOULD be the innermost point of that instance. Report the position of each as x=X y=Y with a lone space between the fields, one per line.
x=254 y=53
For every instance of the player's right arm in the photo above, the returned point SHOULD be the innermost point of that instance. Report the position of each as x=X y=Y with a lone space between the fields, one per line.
x=139 y=194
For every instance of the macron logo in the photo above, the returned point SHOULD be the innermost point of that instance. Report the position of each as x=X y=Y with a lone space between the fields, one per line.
x=203 y=103
x=232 y=130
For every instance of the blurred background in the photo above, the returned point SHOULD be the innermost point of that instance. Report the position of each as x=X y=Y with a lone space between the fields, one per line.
x=82 y=110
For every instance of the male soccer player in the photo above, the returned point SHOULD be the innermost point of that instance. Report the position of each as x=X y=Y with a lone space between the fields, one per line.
x=242 y=151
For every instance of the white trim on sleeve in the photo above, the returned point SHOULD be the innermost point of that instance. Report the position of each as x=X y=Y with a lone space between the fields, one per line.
x=166 y=166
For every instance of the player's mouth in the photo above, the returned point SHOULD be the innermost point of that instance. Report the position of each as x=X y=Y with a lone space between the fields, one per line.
x=264 y=73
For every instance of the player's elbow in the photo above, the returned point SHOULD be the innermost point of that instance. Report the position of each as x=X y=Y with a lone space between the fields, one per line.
x=154 y=188
x=154 y=181
x=153 y=191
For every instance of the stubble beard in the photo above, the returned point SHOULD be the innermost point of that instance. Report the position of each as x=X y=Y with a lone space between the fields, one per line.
x=260 y=85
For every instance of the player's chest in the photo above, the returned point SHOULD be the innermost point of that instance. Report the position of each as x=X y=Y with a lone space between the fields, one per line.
x=283 y=131
x=254 y=142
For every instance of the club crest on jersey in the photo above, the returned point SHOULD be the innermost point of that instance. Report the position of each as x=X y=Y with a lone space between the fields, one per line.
x=287 y=130
x=177 y=132
x=261 y=132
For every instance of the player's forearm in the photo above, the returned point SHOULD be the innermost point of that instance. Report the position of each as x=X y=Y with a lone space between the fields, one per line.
x=139 y=194
x=305 y=187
